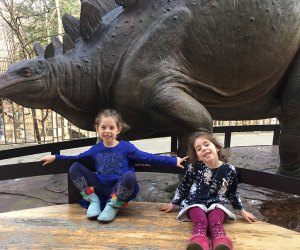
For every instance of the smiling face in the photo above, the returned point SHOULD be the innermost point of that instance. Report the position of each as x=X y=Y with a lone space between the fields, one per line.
x=108 y=131
x=206 y=151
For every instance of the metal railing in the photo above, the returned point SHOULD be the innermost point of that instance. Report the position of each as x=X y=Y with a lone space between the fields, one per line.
x=19 y=125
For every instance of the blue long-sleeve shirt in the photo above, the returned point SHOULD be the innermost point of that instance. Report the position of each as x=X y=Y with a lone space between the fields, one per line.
x=112 y=162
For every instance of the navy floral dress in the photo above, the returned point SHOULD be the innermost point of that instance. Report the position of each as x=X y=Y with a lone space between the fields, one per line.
x=208 y=188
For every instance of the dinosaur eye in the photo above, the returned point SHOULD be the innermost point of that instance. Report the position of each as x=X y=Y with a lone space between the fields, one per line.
x=26 y=72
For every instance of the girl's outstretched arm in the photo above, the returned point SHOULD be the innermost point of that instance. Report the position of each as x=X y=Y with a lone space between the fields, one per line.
x=47 y=159
x=248 y=216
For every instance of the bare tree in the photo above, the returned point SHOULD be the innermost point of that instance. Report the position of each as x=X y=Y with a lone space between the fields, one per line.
x=34 y=21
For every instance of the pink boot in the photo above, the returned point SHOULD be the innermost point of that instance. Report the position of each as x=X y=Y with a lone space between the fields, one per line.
x=222 y=243
x=198 y=242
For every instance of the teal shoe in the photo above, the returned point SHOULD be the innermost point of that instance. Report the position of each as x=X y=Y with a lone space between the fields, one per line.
x=109 y=213
x=94 y=207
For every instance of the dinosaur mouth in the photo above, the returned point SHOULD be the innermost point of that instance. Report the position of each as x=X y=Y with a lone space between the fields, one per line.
x=11 y=87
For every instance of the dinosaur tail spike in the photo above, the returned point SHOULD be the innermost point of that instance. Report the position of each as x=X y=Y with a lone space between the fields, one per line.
x=68 y=44
x=71 y=26
x=39 y=50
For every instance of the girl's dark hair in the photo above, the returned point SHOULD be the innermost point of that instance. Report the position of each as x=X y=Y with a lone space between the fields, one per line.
x=208 y=136
x=115 y=115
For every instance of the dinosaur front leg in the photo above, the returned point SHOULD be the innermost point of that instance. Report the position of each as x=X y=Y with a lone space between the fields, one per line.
x=289 y=144
x=180 y=113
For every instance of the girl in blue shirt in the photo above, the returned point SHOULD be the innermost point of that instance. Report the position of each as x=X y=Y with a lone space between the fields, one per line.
x=202 y=196
x=113 y=181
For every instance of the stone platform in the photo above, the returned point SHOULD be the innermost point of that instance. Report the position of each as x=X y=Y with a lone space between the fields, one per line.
x=139 y=226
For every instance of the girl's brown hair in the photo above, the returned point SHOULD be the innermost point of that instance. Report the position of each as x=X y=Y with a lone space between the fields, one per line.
x=115 y=115
x=208 y=136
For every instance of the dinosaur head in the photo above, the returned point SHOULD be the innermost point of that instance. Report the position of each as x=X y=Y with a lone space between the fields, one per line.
x=24 y=82
x=65 y=75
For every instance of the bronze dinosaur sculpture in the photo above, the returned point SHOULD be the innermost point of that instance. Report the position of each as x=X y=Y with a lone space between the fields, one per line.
x=171 y=66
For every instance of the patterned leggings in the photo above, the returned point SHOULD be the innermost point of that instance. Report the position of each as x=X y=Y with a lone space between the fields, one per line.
x=126 y=188
x=213 y=220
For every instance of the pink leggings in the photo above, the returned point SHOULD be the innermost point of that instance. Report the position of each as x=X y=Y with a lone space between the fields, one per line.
x=213 y=220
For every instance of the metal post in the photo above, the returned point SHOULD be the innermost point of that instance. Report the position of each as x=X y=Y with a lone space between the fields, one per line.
x=227 y=139
x=174 y=145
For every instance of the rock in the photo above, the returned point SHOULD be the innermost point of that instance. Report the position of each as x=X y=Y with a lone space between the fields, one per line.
x=31 y=192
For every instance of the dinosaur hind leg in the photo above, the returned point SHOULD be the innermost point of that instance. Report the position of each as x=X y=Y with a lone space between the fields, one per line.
x=289 y=144
x=179 y=112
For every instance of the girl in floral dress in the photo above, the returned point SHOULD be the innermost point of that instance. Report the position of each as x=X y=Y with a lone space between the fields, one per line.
x=202 y=196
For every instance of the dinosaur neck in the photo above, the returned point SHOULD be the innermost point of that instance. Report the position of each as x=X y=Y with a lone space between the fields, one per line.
x=74 y=84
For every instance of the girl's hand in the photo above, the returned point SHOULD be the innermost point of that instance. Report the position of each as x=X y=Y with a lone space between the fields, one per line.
x=248 y=216
x=167 y=208
x=47 y=159
x=181 y=160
